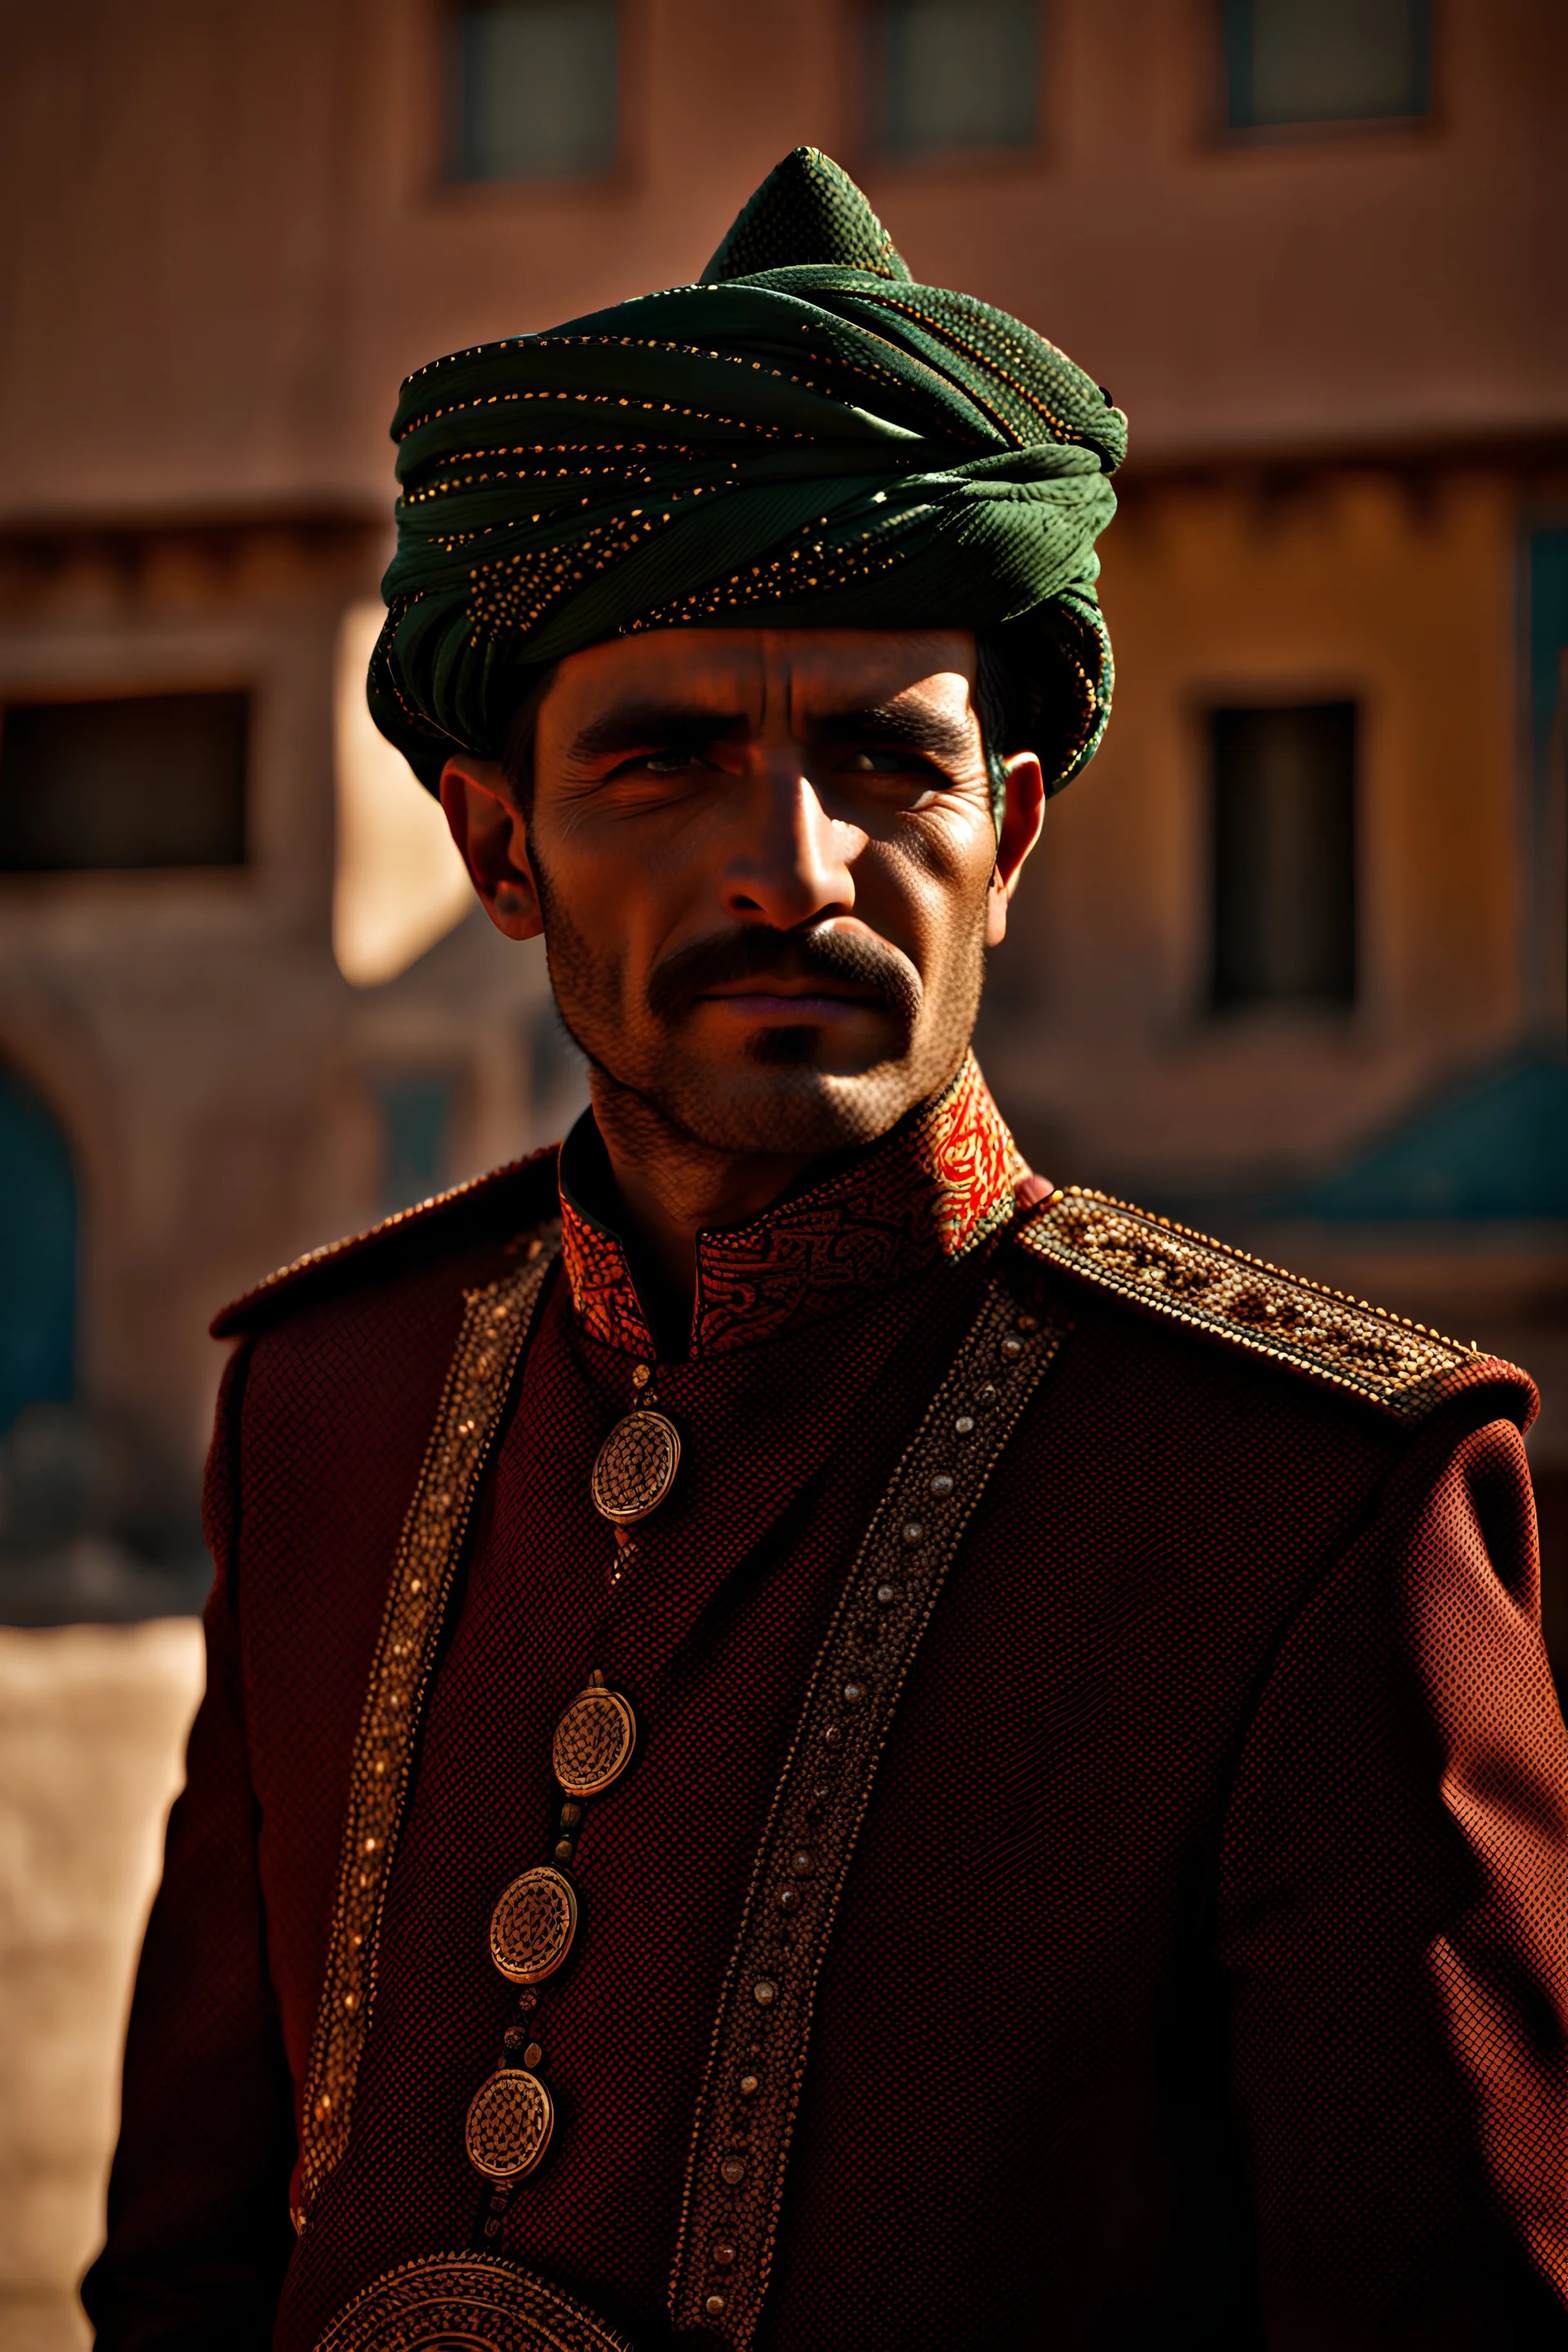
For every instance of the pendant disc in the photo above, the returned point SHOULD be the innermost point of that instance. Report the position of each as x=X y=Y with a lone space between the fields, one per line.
x=510 y=2122
x=635 y=1468
x=593 y=1742
x=532 y=1926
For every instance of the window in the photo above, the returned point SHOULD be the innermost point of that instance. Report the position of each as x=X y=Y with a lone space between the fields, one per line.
x=534 y=89
x=416 y=1120
x=1546 y=878
x=1284 y=856
x=157 y=781
x=1293 y=61
x=954 y=76
x=38 y=1255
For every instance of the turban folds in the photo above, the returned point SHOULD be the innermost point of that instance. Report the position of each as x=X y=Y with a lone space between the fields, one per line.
x=805 y=439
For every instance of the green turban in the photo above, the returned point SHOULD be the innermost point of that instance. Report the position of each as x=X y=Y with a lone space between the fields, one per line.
x=805 y=439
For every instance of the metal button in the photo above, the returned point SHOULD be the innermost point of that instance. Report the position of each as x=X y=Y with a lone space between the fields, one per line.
x=593 y=1742
x=764 y=1992
x=733 y=2170
x=508 y=2125
x=533 y=1924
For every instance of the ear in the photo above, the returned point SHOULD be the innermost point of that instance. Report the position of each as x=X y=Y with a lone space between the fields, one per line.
x=1024 y=813
x=491 y=835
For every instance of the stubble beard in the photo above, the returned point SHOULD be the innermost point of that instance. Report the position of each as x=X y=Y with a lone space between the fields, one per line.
x=777 y=1102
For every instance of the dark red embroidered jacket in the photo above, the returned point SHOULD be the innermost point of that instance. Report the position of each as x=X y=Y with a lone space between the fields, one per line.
x=1201 y=1980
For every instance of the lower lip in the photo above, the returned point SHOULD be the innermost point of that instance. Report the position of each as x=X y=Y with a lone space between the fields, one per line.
x=794 y=1008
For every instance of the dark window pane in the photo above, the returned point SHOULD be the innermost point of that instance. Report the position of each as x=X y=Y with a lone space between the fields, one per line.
x=1326 y=61
x=950 y=77
x=536 y=93
x=416 y=1118
x=38 y=1255
x=155 y=781
x=1284 y=856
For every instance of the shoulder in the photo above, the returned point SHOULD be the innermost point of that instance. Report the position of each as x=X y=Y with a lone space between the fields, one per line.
x=462 y=1229
x=1290 y=1327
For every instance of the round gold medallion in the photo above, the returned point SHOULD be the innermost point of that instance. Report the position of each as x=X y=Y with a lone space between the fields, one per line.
x=593 y=1742
x=635 y=1468
x=532 y=1926
x=510 y=2122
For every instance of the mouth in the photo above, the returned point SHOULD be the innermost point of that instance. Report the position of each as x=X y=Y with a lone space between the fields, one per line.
x=785 y=999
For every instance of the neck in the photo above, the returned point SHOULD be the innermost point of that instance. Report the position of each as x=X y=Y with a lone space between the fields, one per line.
x=673 y=1187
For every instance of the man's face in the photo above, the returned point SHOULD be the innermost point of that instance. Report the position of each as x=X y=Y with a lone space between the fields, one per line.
x=764 y=863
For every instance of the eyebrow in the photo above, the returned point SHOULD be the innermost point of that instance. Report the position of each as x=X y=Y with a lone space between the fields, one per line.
x=909 y=726
x=632 y=724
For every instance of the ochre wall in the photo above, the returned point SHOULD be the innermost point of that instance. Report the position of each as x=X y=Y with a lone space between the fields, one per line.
x=237 y=244
x=1395 y=588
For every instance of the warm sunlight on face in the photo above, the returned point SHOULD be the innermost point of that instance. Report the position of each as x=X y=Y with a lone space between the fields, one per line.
x=766 y=868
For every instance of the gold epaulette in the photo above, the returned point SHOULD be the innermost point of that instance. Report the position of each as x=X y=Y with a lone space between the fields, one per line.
x=1167 y=1269
x=511 y=1189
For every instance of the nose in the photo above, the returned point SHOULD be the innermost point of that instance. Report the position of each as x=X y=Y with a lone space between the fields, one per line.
x=793 y=865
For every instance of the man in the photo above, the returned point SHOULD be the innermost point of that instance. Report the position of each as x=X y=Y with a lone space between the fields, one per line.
x=812 y=1742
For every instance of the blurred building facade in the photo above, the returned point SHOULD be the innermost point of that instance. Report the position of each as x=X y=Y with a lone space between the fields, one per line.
x=1292 y=953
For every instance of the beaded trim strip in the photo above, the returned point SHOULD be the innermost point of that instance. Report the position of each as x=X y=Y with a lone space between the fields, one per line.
x=495 y=1327
x=751 y=2088
x=1173 y=1272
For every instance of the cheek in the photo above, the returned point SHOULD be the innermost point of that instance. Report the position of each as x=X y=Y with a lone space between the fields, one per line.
x=925 y=891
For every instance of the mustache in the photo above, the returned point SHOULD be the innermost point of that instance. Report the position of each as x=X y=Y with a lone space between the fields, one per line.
x=756 y=952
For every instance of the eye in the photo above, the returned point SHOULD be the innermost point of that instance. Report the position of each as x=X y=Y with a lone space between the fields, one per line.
x=891 y=762
x=675 y=762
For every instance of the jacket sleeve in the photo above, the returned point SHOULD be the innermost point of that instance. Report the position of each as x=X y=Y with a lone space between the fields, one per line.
x=199 y=2235
x=1393 y=1921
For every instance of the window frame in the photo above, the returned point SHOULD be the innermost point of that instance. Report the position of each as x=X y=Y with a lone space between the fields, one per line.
x=873 y=155
x=1216 y=1011
x=1226 y=23
x=65 y=694
x=554 y=187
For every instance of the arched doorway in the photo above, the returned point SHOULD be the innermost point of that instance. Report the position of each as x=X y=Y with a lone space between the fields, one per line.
x=37 y=1254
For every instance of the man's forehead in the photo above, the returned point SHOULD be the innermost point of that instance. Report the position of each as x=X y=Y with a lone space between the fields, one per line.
x=744 y=670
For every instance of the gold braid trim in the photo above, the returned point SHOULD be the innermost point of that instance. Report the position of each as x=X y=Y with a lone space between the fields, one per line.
x=495 y=1327
x=756 y=2065
x=476 y=2302
x=1185 y=1278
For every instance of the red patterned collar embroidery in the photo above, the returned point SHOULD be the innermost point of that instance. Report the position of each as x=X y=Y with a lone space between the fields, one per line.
x=934 y=1188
